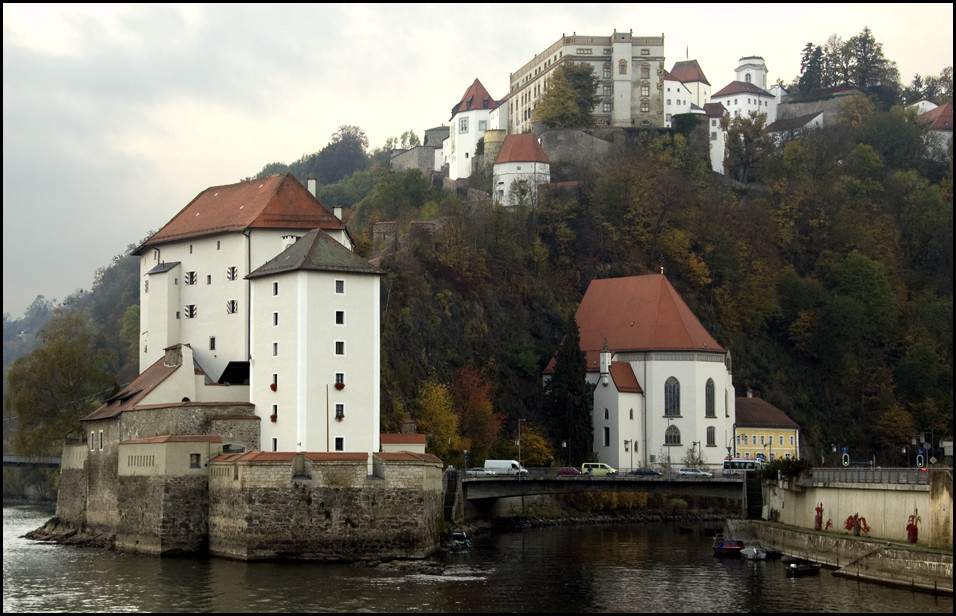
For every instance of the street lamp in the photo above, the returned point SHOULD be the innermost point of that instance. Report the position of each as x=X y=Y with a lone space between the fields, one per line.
x=695 y=445
x=567 y=444
x=627 y=447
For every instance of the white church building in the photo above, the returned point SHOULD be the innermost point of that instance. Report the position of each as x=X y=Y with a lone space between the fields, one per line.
x=662 y=385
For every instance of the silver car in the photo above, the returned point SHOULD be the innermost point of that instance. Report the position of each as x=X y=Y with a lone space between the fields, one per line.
x=479 y=472
x=692 y=472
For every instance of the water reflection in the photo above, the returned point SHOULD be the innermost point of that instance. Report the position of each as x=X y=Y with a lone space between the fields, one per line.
x=566 y=569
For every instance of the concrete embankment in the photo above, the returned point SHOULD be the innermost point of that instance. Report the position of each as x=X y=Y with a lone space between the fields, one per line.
x=861 y=558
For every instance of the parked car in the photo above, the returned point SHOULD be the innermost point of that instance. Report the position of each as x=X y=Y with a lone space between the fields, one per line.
x=479 y=472
x=597 y=469
x=567 y=470
x=692 y=472
x=646 y=472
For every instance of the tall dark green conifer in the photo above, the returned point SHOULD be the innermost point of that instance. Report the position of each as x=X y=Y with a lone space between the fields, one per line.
x=568 y=397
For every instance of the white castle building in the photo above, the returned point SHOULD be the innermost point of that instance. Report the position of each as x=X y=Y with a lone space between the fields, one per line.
x=258 y=279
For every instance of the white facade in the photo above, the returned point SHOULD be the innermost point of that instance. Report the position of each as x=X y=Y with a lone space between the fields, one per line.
x=677 y=100
x=315 y=376
x=752 y=69
x=470 y=119
x=528 y=175
x=629 y=69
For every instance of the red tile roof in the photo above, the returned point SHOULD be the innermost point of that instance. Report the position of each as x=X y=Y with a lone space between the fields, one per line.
x=276 y=202
x=624 y=378
x=715 y=110
x=522 y=148
x=403 y=438
x=940 y=118
x=639 y=313
x=475 y=97
x=758 y=413
x=688 y=71
x=130 y=395
x=741 y=87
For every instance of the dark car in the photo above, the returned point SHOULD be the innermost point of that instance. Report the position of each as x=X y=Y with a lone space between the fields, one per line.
x=646 y=472
x=567 y=470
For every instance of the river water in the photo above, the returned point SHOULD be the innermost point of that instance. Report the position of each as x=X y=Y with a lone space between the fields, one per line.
x=619 y=568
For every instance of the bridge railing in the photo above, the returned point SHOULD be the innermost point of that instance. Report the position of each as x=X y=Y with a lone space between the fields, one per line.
x=914 y=476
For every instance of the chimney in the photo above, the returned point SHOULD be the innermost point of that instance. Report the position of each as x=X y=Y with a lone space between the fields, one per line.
x=337 y=210
x=311 y=185
x=750 y=393
x=288 y=240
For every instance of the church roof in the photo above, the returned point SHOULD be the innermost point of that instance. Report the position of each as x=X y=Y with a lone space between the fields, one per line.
x=638 y=313
x=624 y=378
x=523 y=148
x=276 y=202
x=315 y=251
x=758 y=413
x=741 y=87
x=475 y=97
x=688 y=71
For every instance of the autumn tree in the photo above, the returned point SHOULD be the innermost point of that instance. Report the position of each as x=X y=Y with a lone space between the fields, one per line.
x=437 y=419
x=60 y=382
x=479 y=422
x=748 y=144
x=568 y=397
x=570 y=98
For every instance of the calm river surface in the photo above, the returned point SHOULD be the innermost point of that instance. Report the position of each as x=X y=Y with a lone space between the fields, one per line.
x=651 y=568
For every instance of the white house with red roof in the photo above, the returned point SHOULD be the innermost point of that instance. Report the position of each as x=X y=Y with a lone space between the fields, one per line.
x=748 y=93
x=691 y=76
x=939 y=126
x=259 y=280
x=521 y=166
x=470 y=118
x=662 y=385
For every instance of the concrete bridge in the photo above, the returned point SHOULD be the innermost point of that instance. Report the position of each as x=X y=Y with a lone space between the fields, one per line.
x=33 y=461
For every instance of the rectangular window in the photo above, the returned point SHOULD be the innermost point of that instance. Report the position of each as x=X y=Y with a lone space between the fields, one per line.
x=275 y=410
x=713 y=136
x=645 y=52
x=340 y=287
x=339 y=443
x=607 y=73
x=713 y=122
x=462 y=125
x=190 y=278
x=607 y=107
x=607 y=436
x=275 y=349
x=275 y=288
x=212 y=343
x=608 y=91
x=194 y=460
x=92 y=441
x=190 y=249
x=275 y=444
x=275 y=319
x=340 y=347
x=208 y=278
x=781 y=440
x=232 y=272
x=645 y=90
x=101 y=440
x=339 y=411
x=667 y=117
x=232 y=306
x=622 y=67
x=645 y=107
x=482 y=125
x=340 y=378
x=761 y=440
x=584 y=51
x=340 y=317
x=191 y=311
x=645 y=73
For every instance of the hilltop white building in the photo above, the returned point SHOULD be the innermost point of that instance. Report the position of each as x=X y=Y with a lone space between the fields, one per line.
x=470 y=118
x=630 y=69
x=521 y=166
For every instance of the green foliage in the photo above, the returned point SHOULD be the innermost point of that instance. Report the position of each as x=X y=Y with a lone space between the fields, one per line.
x=785 y=467
x=748 y=145
x=568 y=397
x=61 y=381
x=570 y=98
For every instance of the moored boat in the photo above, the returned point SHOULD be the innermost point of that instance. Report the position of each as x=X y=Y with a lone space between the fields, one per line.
x=727 y=547
x=802 y=569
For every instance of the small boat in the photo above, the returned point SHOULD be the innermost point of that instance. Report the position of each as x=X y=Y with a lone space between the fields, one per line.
x=802 y=569
x=754 y=552
x=460 y=540
x=727 y=548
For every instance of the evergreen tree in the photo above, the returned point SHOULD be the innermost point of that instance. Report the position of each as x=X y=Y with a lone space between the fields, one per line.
x=568 y=397
x=570 y=98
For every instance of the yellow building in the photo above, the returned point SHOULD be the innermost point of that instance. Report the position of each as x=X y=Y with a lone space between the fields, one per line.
x=762 y=431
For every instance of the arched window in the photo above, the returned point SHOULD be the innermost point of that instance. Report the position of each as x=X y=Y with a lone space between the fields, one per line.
x=672 y=397
x=632 y=413
x=607 y=415
x=622 y=67
x=711 y=436
x=672 y=436
x=710 y=410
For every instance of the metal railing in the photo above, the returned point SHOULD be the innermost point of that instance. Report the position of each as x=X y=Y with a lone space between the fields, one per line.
x=912 y=476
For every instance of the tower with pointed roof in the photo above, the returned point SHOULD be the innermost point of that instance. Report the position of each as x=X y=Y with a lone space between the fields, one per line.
x=520 y=167
x=468 y=123
x=662 y=385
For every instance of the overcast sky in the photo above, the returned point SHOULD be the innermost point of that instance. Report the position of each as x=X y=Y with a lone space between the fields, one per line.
x=116 y=116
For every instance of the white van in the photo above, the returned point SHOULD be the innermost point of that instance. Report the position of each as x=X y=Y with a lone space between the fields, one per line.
x=505 y=467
